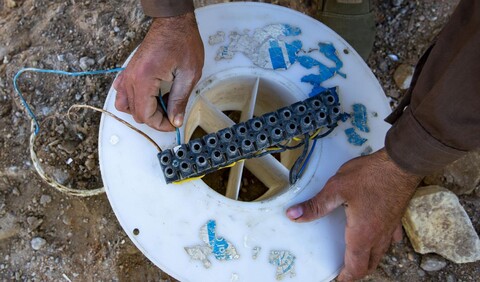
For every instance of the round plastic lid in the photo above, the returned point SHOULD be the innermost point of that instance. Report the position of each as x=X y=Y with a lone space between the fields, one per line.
x=195 y=234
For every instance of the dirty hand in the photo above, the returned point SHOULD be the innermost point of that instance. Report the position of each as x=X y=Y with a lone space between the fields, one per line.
x=375 y=193
x=171 y=51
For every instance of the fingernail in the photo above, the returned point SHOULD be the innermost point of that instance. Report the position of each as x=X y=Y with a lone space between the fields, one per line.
x=295 y=212
x=178 y=120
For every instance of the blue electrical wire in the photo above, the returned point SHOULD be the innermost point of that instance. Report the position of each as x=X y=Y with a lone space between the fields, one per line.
x=81 y=73
x=24 y=102
x=308 y=158
x=165 y=110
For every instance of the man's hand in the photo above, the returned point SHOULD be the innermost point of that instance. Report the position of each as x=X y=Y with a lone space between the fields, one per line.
x=375 y=193
x=171 y=51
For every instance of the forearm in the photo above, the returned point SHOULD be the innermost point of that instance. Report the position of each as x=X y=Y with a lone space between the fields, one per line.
x=166 y=8
x=442 y=122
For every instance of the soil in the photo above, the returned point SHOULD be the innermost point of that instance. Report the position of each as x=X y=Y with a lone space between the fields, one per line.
x=82 y=238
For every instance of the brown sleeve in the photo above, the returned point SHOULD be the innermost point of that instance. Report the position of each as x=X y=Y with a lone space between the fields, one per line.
x=166 y=8
x=442 y=122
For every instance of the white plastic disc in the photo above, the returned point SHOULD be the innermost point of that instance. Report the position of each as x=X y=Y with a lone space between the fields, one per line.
x=195 y=234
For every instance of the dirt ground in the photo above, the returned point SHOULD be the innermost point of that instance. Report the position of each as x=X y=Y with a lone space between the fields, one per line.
x=82 y=240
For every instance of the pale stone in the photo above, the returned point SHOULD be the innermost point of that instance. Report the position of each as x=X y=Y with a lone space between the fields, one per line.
x=37 y=243
x=403 y=76
x=45 y=199
x=8 y=226
x=435 y=222
x=11 y=4
x=432 y=263
x=86 y=63
x=460 y=177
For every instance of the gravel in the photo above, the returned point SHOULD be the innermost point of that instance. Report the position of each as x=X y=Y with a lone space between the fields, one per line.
x=38 y=243
x=432 y=263
x=81 y=36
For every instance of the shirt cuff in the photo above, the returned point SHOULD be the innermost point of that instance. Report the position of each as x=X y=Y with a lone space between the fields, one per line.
x=166 y=8
x=415 y=150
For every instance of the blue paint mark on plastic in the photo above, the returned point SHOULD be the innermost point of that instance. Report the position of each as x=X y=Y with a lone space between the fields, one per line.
x=354 y=138
x=274 y=40
x=284 y=262
x=218 y=246
x=359 y=117
x=289 y=30
x=316 y=90
x=221 y=249
x=344 y=117
x=292 y=50
x=329 y=51
x=324 y=72
x=307 y=62
x=276 y=56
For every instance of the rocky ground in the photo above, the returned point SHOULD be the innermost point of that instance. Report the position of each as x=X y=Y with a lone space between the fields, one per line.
x=46 y=235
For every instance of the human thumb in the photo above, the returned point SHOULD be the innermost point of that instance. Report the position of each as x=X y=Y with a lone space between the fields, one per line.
x=177 y=101
x=322 y=204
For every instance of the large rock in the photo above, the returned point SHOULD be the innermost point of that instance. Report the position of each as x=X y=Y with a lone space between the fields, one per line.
x=460 y=177
x=435 y=222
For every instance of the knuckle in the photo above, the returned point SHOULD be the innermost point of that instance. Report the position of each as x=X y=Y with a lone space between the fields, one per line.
x=181 y=104
x=120 y=106
x=180 y=98
x=138 y=118
x=141 y=72
x=334 y=181
x=154 y=124
x=314 y=206
x=189 y=75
